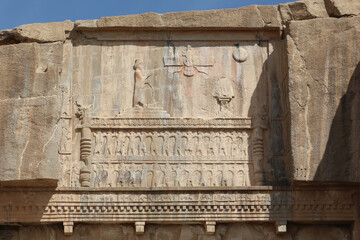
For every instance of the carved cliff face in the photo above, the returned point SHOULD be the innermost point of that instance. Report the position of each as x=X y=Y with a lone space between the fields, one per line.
x=207 y=118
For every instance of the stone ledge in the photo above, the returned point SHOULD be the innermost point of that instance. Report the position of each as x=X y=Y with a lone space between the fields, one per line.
x=245 y=18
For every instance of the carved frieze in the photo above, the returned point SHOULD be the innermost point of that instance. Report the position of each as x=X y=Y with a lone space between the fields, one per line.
x=130 y=175
x=167 y=152
x=171 y=144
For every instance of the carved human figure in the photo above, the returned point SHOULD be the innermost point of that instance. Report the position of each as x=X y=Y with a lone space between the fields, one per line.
x=109 y=143
x=188 y=62
x=171 y=144
x=183 y=144
x=65 y=101
x=215 y=144
x=196 y=178
x=159 y=178
x=126 y=145
x=142 y=145
x=101 y=176
x=65 y=171
x=210 y=145
x=99 y=143
x=177 y=147
x=235 y=145
x=218 y=178
x=189 y=143
x=166 y=150
x=171 y=178
x=137 y=179
x=243 y=146
x=208 y=178
x=200 y=145
x=240 y=178
x=75 y=175
x=222 y=145
x=195 y=144
x=228 y=141
x=133 y=145
x=184 y=178
x=157 y=145
x=143 y=91
x=111 y=181
x=119 y=144
x=148 y=143
x=205 y=144
x=149 y=178
x=65 y=138
x=229 y=178
x=127 y=179
x=114 y=138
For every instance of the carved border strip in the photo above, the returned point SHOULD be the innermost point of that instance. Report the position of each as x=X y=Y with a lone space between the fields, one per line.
x=167 y=123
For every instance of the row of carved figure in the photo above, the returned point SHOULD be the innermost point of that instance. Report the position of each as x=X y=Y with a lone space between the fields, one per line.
x=176 y=175
x=171 y=143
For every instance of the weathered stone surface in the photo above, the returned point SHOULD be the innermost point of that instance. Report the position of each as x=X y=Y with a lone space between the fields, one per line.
x=227 y=124
x=339 y=8
x=245 y=17
x=324 y=95
x=182 y=232
x=301 y=10
x=5 y=37
x=43 y=32
x=30 y=110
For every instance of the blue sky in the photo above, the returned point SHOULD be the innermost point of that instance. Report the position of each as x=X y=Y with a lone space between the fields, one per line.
x=17 y=12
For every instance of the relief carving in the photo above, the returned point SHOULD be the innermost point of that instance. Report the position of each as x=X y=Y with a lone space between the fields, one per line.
x=169 y=175
x=143 y=90
x=240 y=54
x=65 y=102
x=65 y=137
x=85 y=144
x=116 y=144
x=224 y=93
x=65 y=162
x=186 y=63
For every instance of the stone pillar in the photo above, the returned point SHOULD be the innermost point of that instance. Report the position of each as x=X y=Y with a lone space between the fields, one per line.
x=85 y=151
x=258 y=152
x=85 y=145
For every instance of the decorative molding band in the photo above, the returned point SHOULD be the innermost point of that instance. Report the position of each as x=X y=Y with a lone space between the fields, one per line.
x=228 y=206
x=170 y=123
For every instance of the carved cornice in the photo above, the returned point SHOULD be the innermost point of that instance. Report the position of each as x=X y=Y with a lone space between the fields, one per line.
x=176 y=206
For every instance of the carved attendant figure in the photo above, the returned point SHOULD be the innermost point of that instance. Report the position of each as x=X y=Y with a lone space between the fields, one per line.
x=99 y=143
x=65 y=137
x=143 y=91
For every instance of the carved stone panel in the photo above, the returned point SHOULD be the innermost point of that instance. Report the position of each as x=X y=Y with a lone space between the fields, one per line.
x=169 y=152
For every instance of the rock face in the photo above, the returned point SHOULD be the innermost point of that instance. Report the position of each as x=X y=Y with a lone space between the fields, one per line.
x=179 y=232
x=328 y=79
x=30 y=104
x=228 y=124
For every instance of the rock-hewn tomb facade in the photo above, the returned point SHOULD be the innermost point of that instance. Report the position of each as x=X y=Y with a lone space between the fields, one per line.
x=227 y=124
